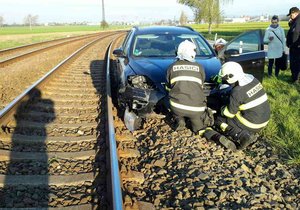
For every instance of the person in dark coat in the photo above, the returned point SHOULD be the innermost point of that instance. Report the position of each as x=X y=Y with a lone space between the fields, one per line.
x=185 y=80
x=293 y=43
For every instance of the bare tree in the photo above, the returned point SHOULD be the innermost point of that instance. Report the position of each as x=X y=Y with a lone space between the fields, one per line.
x=207 y=10
x=1 y=21
x=183 y=18
x=31 y=20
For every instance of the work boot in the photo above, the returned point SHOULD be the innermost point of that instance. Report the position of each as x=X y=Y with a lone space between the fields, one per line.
x=227 y=143
x=217 y=137
x=245 y=139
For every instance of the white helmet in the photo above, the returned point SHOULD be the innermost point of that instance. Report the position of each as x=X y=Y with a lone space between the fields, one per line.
x=232 y=72
x=186 y=51
x=220 y=41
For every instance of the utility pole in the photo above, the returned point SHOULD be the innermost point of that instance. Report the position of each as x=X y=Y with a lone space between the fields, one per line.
x=103 y=12
x=103 y=22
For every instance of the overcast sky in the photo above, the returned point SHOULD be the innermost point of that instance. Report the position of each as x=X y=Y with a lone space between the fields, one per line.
x=14 y=11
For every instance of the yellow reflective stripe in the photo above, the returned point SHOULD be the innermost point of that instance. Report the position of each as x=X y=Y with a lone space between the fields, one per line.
x=249 y=124
x=223 y=126
x=254 y=103
x=227 y=113
x=186 y=78
x=189 y=108
x=168 y=89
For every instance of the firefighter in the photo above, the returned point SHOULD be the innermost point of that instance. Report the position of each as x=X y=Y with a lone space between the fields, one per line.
x=185 y=79
x=248 y=109
x=219 y=45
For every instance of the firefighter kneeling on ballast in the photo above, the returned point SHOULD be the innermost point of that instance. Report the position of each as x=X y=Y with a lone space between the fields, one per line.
x=247 y=112
x=185 y=80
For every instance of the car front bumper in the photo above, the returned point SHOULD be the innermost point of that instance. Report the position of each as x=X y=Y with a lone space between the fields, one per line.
x=141 y=101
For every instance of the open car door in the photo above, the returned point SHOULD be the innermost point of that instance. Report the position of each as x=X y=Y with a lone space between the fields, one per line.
x=248 y=50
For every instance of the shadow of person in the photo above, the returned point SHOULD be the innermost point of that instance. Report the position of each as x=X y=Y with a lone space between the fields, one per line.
x=26 y=181
x=97 y=72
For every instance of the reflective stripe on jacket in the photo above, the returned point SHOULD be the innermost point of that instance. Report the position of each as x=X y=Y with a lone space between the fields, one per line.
x=185 y=83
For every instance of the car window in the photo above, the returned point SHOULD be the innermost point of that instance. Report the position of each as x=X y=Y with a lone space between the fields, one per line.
x=246 y=43
x=125 y=45
x=158 y=45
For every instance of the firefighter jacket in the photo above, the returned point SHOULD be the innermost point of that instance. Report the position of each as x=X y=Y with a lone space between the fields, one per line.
x=249 y=104
x=185 y=82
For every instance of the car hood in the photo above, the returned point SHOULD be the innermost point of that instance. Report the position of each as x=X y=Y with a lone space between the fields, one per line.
x=156 y=68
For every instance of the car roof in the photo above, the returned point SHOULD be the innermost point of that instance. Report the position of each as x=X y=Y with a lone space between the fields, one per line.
x=164 y=29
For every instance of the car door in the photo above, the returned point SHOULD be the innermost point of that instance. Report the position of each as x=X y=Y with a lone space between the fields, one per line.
x=248 y=50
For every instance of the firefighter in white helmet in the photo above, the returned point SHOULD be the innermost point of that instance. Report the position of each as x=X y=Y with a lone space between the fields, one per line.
x=219 y=44
x=248 y=109
x=185 y=80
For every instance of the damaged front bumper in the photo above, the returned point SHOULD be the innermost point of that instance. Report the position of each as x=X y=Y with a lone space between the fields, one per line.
x=142 y=101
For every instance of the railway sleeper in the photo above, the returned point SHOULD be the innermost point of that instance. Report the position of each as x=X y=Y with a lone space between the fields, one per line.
x=23 y=143
x=92 y=95
x=29 y=163
x=74 y=90
x=36 y=191
x=80 y=78
x=63 y=118
x=65 y=108
x=65 y=84
x=60 y=101
x=50 y=129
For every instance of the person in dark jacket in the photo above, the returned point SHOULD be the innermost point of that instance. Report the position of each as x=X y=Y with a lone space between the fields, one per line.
x=185 y=79
x=248 y=109
x=293 y=43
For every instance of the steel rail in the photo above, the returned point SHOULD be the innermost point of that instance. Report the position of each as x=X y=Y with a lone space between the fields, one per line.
x=10 y=109
x=115 y=174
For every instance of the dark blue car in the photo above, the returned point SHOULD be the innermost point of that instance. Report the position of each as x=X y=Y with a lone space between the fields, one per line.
x=146 y=54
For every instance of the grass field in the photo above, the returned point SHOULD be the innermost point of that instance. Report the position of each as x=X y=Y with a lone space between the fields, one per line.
x=16 y=36
x=229 y=30
x=283 y=129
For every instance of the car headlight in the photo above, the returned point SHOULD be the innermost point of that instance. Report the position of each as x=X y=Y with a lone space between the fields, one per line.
x=139 y=81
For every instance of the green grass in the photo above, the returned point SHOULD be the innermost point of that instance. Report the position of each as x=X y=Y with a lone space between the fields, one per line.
x=283 y=129
x=44 y=33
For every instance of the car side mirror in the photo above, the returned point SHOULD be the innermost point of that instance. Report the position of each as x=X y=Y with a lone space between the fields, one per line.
x=231 y=52
x=119 y=53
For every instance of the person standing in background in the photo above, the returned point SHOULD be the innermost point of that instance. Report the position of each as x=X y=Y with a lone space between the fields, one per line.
x=275 y=38
x=293 y=42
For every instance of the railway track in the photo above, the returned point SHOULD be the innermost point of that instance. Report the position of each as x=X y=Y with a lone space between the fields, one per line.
x=53 y=150
x=11 y=55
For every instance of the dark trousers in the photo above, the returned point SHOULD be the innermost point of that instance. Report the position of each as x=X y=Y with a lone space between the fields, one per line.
x=199 y=120
x=295 y=63
x=234 y=128
x=270 y=67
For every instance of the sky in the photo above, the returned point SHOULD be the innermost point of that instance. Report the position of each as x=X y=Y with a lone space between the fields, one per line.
x=14 y=11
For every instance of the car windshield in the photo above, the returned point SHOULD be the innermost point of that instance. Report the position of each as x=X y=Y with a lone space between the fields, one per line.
x=165 y=45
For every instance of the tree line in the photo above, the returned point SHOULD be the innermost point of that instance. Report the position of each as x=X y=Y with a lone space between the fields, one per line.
x=208 y=11
x=29 y=20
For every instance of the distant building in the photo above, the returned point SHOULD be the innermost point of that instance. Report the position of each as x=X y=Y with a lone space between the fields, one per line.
x=235 y=20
